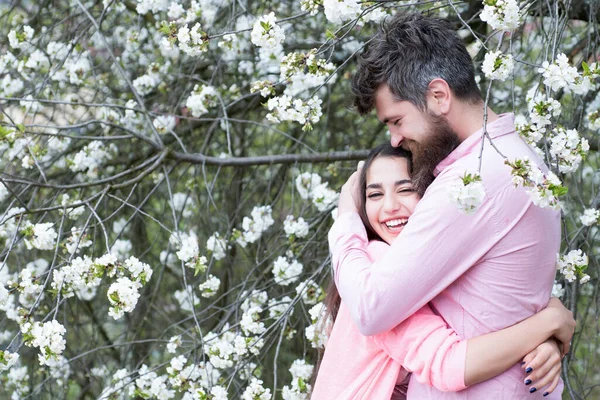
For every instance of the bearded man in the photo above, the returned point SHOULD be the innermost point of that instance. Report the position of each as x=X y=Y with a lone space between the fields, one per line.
x=482 y=271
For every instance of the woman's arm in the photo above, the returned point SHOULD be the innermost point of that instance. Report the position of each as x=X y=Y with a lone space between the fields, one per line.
x=426 y=346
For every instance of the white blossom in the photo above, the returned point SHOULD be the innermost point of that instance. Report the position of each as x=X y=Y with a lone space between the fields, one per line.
x=501 y=14
x=295 y=227
x=572 y=265
x=559 y=74
x=173 y=344
x=557 y=290
x=201 y=98
x=306 y=183
x=217 y=245
x=310 y=292
x=255 y=391
x=210 y=287
x=40 y=236
x=467 y=193
x=123 y=296
x=286 y=272
x=497 y=65
x=266 y=33
x=47 y=336
x=164 y=123
x=337 y=11
x=590 y=217
x=21 y=39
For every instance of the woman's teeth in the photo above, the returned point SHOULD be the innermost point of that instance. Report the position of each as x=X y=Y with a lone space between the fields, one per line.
x=396 y=222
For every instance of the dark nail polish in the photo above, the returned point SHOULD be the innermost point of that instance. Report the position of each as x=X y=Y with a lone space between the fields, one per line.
x=532 y=390
x=528 y=382
x=528 y=370
x=546 y=394
x=522 y=362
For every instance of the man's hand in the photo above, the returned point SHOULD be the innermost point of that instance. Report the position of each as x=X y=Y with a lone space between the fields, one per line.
x=543 y=365
x=565 y=323
x=350 y=193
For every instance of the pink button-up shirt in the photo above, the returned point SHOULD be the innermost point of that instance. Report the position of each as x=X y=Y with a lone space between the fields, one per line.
x=481 y=272
x=358 y=367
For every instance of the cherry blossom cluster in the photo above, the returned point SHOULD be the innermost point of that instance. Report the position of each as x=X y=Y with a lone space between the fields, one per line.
x=7 y=359
x=92 y=157
x=202 y=97
x=254 y=226
x=541 y=112
x=266 y=33
x=573 y=265
x=318 y=332
x=557 y=290
x=285 y=108
x=40 y=236
x=567 y=149
x=590 y=217
x=497 y=65
x=286 y=271
x=295 y=228
x=504 y=15
x=337 y=11
x=560 y=74
x=543 y=190
x=300 y=388
x=304 y=70
x=467 y=192
x=309 y=186
x=48 y=337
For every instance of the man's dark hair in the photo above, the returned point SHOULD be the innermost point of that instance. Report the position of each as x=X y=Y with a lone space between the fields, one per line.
x=410 y=51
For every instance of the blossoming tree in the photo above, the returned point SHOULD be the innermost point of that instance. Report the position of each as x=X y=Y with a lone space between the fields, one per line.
x=169 y=169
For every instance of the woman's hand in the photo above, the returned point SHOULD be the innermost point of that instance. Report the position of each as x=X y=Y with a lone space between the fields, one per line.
x=565 y=323
x=543 y=365
x=350 y=193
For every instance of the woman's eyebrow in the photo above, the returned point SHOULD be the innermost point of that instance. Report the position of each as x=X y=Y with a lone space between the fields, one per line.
x=397 y=183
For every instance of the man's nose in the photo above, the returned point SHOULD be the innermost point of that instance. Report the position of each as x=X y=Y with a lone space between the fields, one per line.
x=396 y=139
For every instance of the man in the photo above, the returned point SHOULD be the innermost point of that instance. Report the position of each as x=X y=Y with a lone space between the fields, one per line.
x=481 y=272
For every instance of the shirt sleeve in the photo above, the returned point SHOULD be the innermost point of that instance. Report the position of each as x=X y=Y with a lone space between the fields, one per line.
x=436 y=247
x=427 y=347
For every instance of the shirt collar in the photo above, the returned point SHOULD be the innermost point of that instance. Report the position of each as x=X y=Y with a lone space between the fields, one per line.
x=504 y=125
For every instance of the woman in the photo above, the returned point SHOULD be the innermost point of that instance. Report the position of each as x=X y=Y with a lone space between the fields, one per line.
x=368 y=367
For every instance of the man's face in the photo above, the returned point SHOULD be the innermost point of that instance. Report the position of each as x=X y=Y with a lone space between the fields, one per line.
x=407 y=124
x=428 y=137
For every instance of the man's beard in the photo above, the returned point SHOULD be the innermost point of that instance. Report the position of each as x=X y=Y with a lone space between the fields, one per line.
x=441 y=141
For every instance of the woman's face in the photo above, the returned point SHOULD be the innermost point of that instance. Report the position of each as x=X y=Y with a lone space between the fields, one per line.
x=390 y=198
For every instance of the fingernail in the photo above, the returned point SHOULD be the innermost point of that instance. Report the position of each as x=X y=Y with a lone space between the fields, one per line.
x=528 y=370
x=532 y=390
x=528 y=382
x=522 y=362
x=546 y=394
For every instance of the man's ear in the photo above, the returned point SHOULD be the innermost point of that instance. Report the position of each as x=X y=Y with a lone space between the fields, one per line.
x=439 y=97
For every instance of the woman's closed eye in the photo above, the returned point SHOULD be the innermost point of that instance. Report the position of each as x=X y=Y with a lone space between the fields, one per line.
x=374 y=195
x=406 y=190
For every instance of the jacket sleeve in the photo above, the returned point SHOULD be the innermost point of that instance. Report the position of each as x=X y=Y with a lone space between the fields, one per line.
x=427 y=347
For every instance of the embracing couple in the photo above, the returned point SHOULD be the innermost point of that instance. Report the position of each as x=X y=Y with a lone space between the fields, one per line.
x=461 y=301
